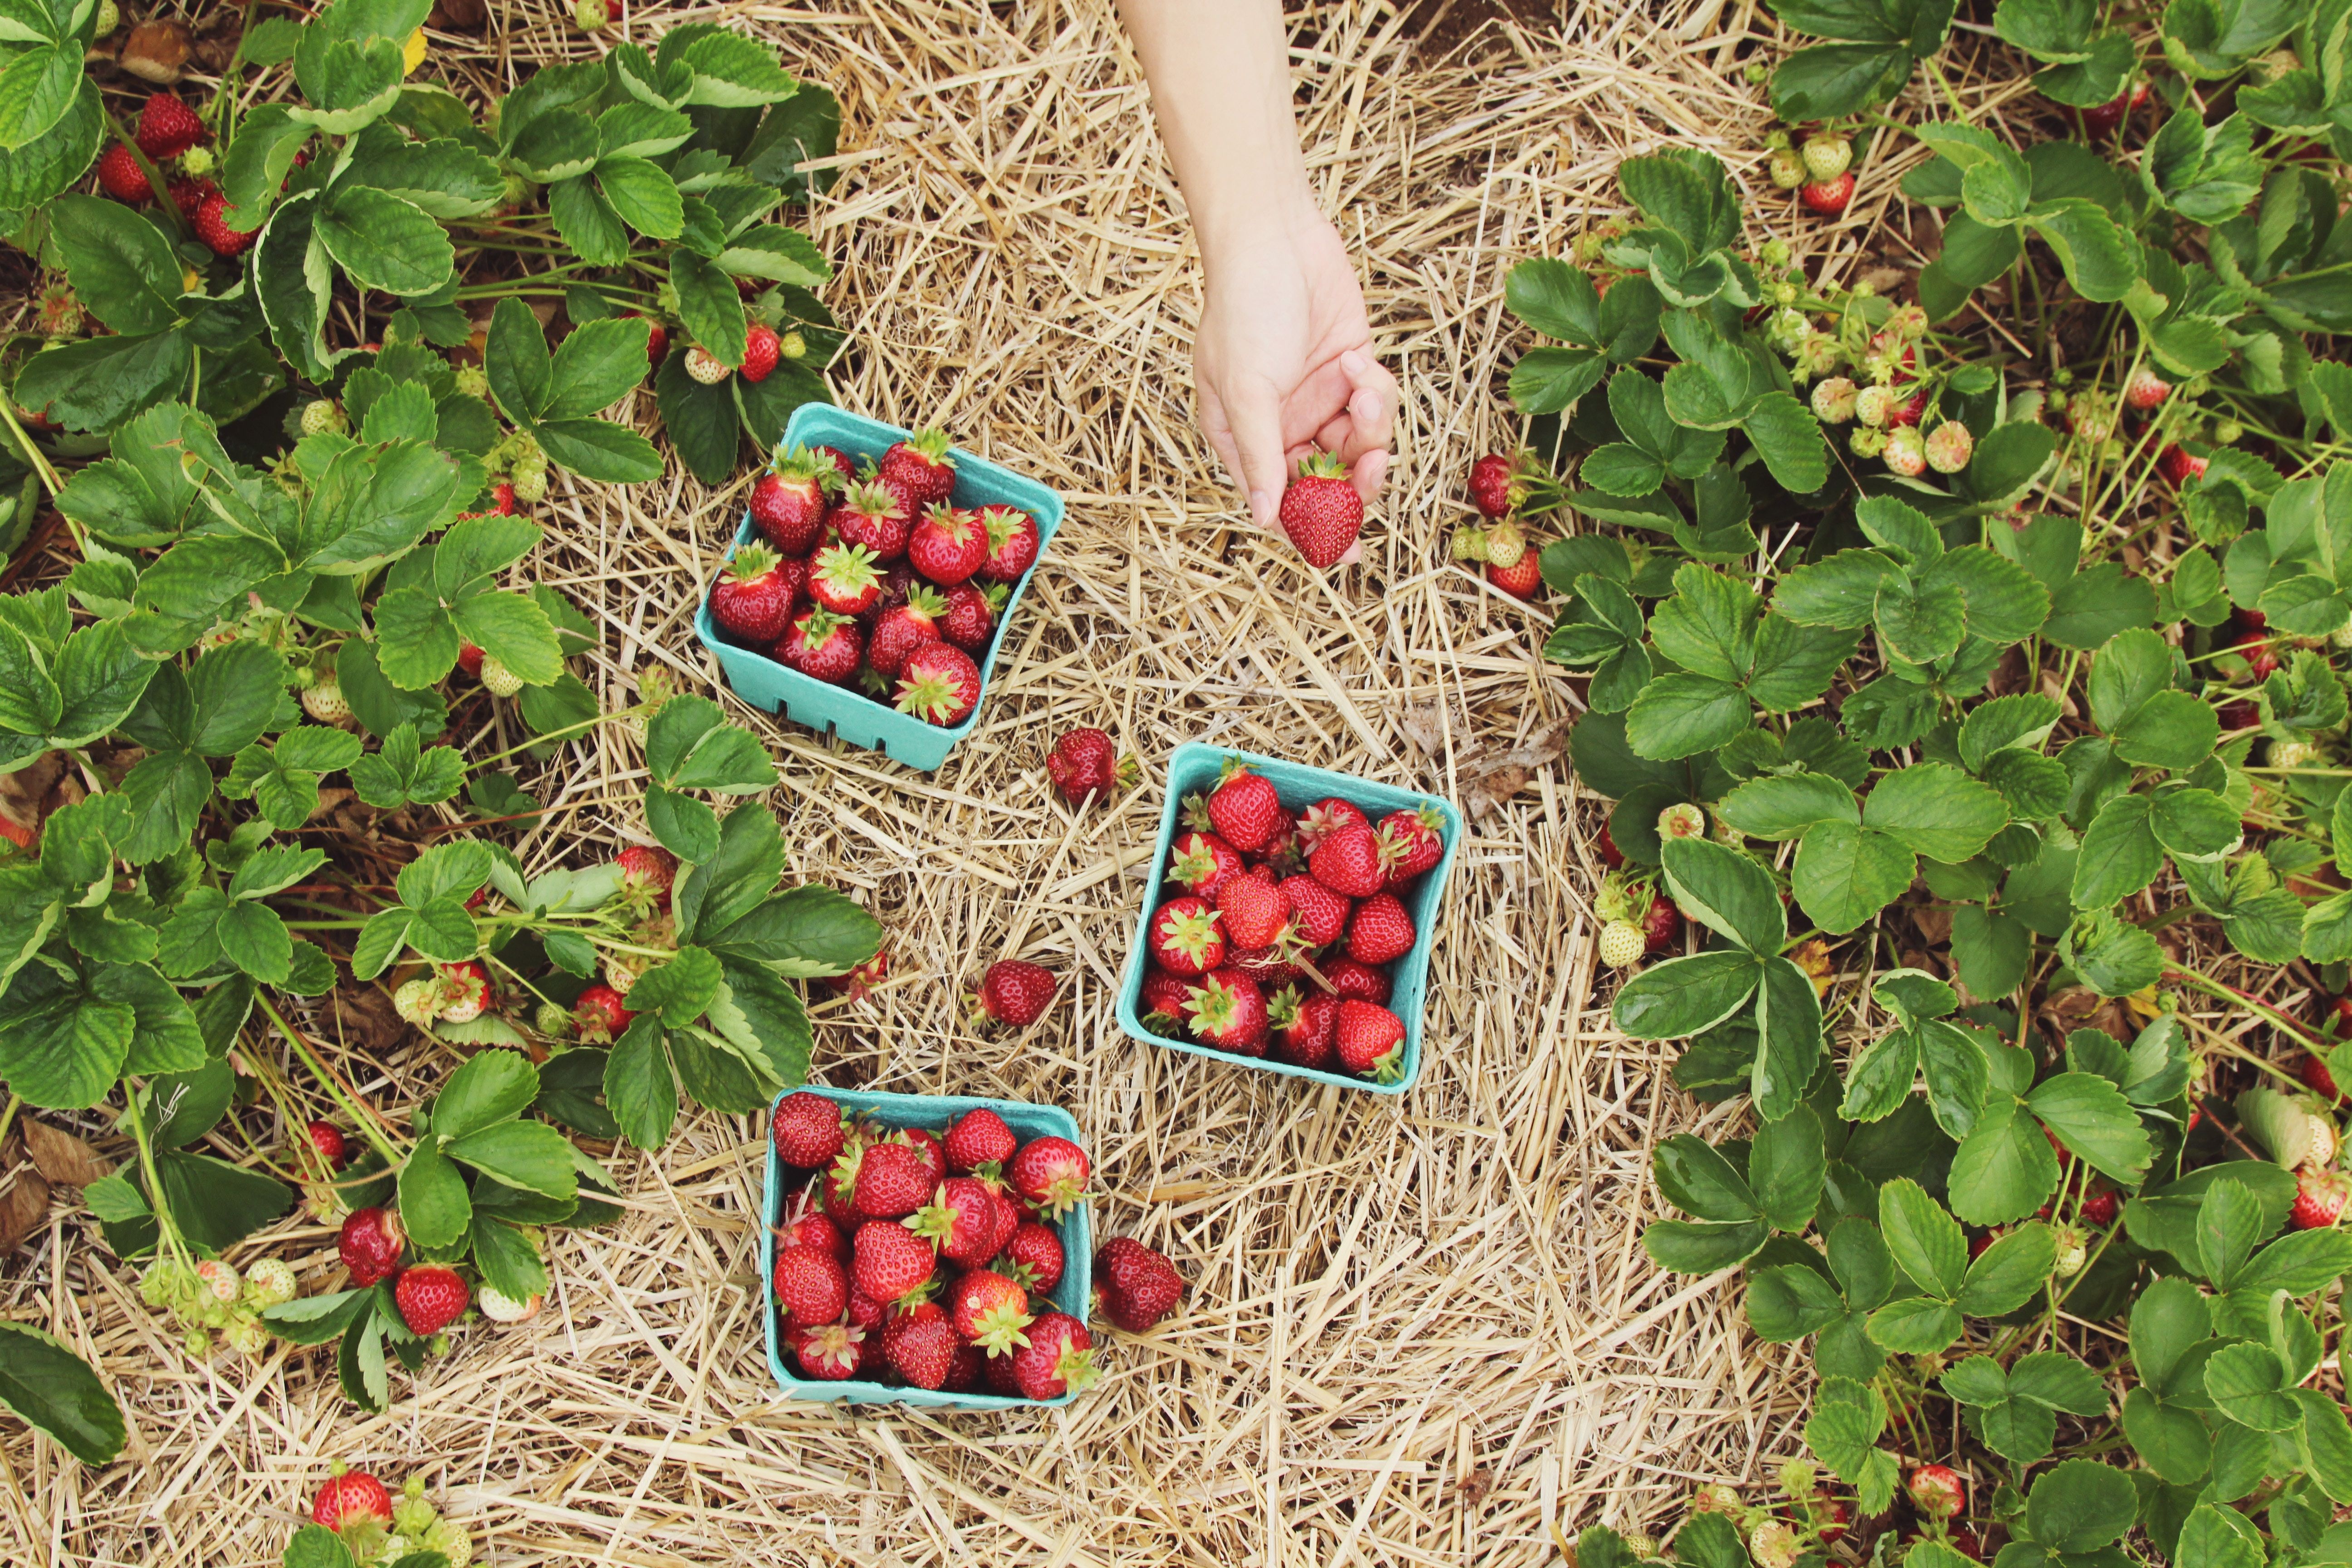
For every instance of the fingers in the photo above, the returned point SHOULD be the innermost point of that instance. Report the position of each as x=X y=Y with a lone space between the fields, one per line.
x=1219 y=431
x=1361 y=431
x=1255 y=414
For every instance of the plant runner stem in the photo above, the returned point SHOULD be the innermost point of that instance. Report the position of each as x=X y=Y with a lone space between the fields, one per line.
x=367 y=1117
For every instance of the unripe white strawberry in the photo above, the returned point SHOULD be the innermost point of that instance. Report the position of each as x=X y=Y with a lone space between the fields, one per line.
x=2146 y=390
x=2072 y=1252
x=1949 y=446
x=321 y=416
x=501 y=1308
x=1906 y=451
x=591 y=15
x=706 y=367
x=530 y=483
x=1827 y=156
x=1874 y=405
x=269 y=1283
x=1681 y=820
x=497 y=679
x=245 y=1336
x=1505 y=545
x=1834 y=400
x=1817 y=354
x=2322 y=1152
x=218 y=1280
x=418 y=1001
x=1773 y=1544
x=465 y=992
x=2340 y=639
x=552 y=1021
x=1621 y=944
x=621 y=969
x=1867 y=441
x=109 y=16
x=1470 y=544
x=2293 y=754
x=323 y=700
x=791 y=345
x=1787 y=170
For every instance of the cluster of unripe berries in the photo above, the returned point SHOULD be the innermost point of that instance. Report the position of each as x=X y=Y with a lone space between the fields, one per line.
x=1886 y=410
x=210 y=1296
x=763 y=349
x=1500 y=484
x=1821 y=172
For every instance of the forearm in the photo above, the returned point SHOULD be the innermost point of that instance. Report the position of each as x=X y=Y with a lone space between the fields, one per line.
x=1221 y=91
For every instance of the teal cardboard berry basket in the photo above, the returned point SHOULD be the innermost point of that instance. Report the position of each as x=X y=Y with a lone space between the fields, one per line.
x=1073 y=1294
x=1193 y=770
x=852 y=715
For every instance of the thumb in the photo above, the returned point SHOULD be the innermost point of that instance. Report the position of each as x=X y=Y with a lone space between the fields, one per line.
x=1256 y=419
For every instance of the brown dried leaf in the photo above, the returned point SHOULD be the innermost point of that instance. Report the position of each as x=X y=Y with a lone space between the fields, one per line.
x=369 y=1023
x=457 y=15
x=1935 y=923
x=24 y=1204
x=23 y=795
x=64 y=1158
x=158 y=50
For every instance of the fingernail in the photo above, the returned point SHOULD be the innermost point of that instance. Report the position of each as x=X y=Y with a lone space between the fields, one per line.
x=1260 y=506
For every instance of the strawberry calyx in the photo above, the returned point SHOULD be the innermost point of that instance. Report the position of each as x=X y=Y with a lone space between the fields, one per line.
x=803 y=465
x=1319 y=465
x=753 y=563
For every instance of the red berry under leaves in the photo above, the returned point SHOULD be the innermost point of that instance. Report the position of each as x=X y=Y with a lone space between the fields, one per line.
x=119 y=175
x=168 y=127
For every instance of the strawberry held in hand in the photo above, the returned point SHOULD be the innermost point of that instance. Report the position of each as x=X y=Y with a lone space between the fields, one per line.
x=1321 y=511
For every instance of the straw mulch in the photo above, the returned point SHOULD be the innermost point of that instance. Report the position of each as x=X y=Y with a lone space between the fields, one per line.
x=1419 y=1330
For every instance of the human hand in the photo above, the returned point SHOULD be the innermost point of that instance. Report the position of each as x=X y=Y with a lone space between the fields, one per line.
x=1283 y=363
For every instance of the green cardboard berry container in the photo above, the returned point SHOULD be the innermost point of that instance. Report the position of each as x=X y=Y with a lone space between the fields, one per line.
x=850 y=714
x=1193 y=770
x=1073 y=1293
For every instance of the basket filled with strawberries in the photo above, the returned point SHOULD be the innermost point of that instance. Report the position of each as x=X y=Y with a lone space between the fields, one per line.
x=1291 y=920
x=931 y=1250
x=871 y=582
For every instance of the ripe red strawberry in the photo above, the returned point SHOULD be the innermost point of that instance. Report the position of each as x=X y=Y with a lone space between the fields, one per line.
x=1324 y=819
x=1033 y=1257
x=1321 y=511
x=921 y=1345
x=1229 y=1013
x=1200 y=861
x=811 y=1285
x=921 y=465
x=988 y=1311
x=1051 y=1174
x=1256 y=912
x=657 y=345
x=1660 y=925
x=939 y=684
x=1013 y=994
x=1828 y=199
x=2178 y=465
x=1137 y=1285
x=1495 y=487
x=328 y=1140
x=1349 y=862
x=977 y=1137
x=1382 y=932
x=888 y=1261
x=870 y=516
x=214 y=229
x=2239 y=715
x=966 y=1370
x=1352 y=981
x=2102 y=120
x=1522 y=579
x=352 y=1497
x=831 y=1352
x=430 y=1297
x=2146 y=390
x=865 y=1311
x=1318 y=915
x=969 y=621
x=960 y=1220
x=2312 y=1070
x=119 y=175
x=813 y=1228
x=1058 y=1360
x=469 y=658
x=190 y=196
x=168 y=127
x=1186 y=937
x=762 y=348
x=646 y=869
x=2099 y=1209
x=1084 y=764
x=2318 y=1198
x=1937 y=1491
x=926 y=1143
x=1300 y=1028
x=601 y=1015
x=1412 y=842
x=1244 y=808
x=1370 y=1040
x=947 y=545
x=808 y=1130
x=369 y=1245
x=901 y=629
x=1013 y=543
x=1611 y=857
x=822 y=644
x=751 y=599
x=842 y=578
x=893 y=1180
x=789 y=503
x=1164 y=1002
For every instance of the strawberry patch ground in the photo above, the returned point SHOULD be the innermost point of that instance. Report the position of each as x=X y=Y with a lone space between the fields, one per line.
x=1415 y=1332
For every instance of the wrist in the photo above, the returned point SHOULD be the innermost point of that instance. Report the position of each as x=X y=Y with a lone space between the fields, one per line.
x=1280 y=217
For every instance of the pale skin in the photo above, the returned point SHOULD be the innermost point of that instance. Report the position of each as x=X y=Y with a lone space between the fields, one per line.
x=1282 y=361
